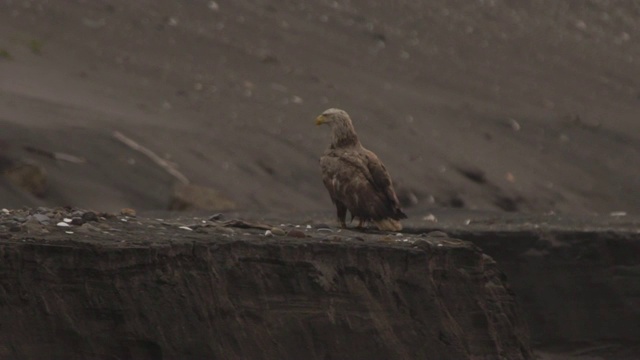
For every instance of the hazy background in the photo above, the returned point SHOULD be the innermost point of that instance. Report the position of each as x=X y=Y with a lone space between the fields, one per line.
x=500 y=105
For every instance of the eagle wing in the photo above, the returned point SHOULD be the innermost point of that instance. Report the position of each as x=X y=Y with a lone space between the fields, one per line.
x=382 y=181
x=359 y=180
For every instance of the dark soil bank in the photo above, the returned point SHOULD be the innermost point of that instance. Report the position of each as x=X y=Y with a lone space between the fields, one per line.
x=149 y=289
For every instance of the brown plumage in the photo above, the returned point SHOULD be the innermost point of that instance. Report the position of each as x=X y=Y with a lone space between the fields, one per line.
x=356 y=179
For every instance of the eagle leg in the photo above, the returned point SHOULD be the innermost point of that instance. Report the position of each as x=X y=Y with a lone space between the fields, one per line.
x=342 y=214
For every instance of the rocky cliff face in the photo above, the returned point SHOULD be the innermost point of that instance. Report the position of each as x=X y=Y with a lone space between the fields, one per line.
x=577 y=278
x=143 y=289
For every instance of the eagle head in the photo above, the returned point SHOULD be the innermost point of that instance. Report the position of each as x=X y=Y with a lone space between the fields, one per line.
x=333 y=116
x=343 y=133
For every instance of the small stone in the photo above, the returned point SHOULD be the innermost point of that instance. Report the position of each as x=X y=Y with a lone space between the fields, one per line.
x=77 y=221
x=268 y=233
x=323 y=226
x=39 y=219
x=128 y=212
x=6 y=211
x=185 y=228
x=62 y=224
x=296 y=233
x=431 y=218
x=67 y=220
x=19 y=219
x=89 y=216
x=214 y=217
x=69 y=232
x=277 y=231
x=324 y=230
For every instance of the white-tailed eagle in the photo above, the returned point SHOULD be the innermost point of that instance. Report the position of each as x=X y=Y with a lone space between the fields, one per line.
x=356 y=179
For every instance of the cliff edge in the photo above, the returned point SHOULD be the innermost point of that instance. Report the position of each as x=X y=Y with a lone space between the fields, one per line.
x=105 y=286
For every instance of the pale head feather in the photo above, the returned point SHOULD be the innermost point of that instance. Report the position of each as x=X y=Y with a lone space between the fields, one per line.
x=342 y=131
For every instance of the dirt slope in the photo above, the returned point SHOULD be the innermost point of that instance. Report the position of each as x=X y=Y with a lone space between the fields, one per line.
x=484 y=104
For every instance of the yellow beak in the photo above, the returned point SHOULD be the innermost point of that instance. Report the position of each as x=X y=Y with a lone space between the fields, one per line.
x=320 y=120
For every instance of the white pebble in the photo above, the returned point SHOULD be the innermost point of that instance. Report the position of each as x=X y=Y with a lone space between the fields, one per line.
x=69 y=232
x=431 y=218
x=6 y=211
x=67 y=220
x=186 y=228
x=308 y=226
x=63 y=224
x=268 y=233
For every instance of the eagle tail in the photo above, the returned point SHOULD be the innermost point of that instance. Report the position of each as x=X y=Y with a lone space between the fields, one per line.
x=388 y=224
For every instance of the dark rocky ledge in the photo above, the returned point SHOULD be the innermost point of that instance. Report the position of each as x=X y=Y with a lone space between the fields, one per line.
x=120 y=287
x=577 y=278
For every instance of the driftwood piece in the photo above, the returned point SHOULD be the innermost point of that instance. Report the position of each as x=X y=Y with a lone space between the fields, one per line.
x=55 y=155
x=152 y=156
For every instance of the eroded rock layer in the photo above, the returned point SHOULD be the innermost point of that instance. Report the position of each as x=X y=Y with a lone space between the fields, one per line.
x=141 y=291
